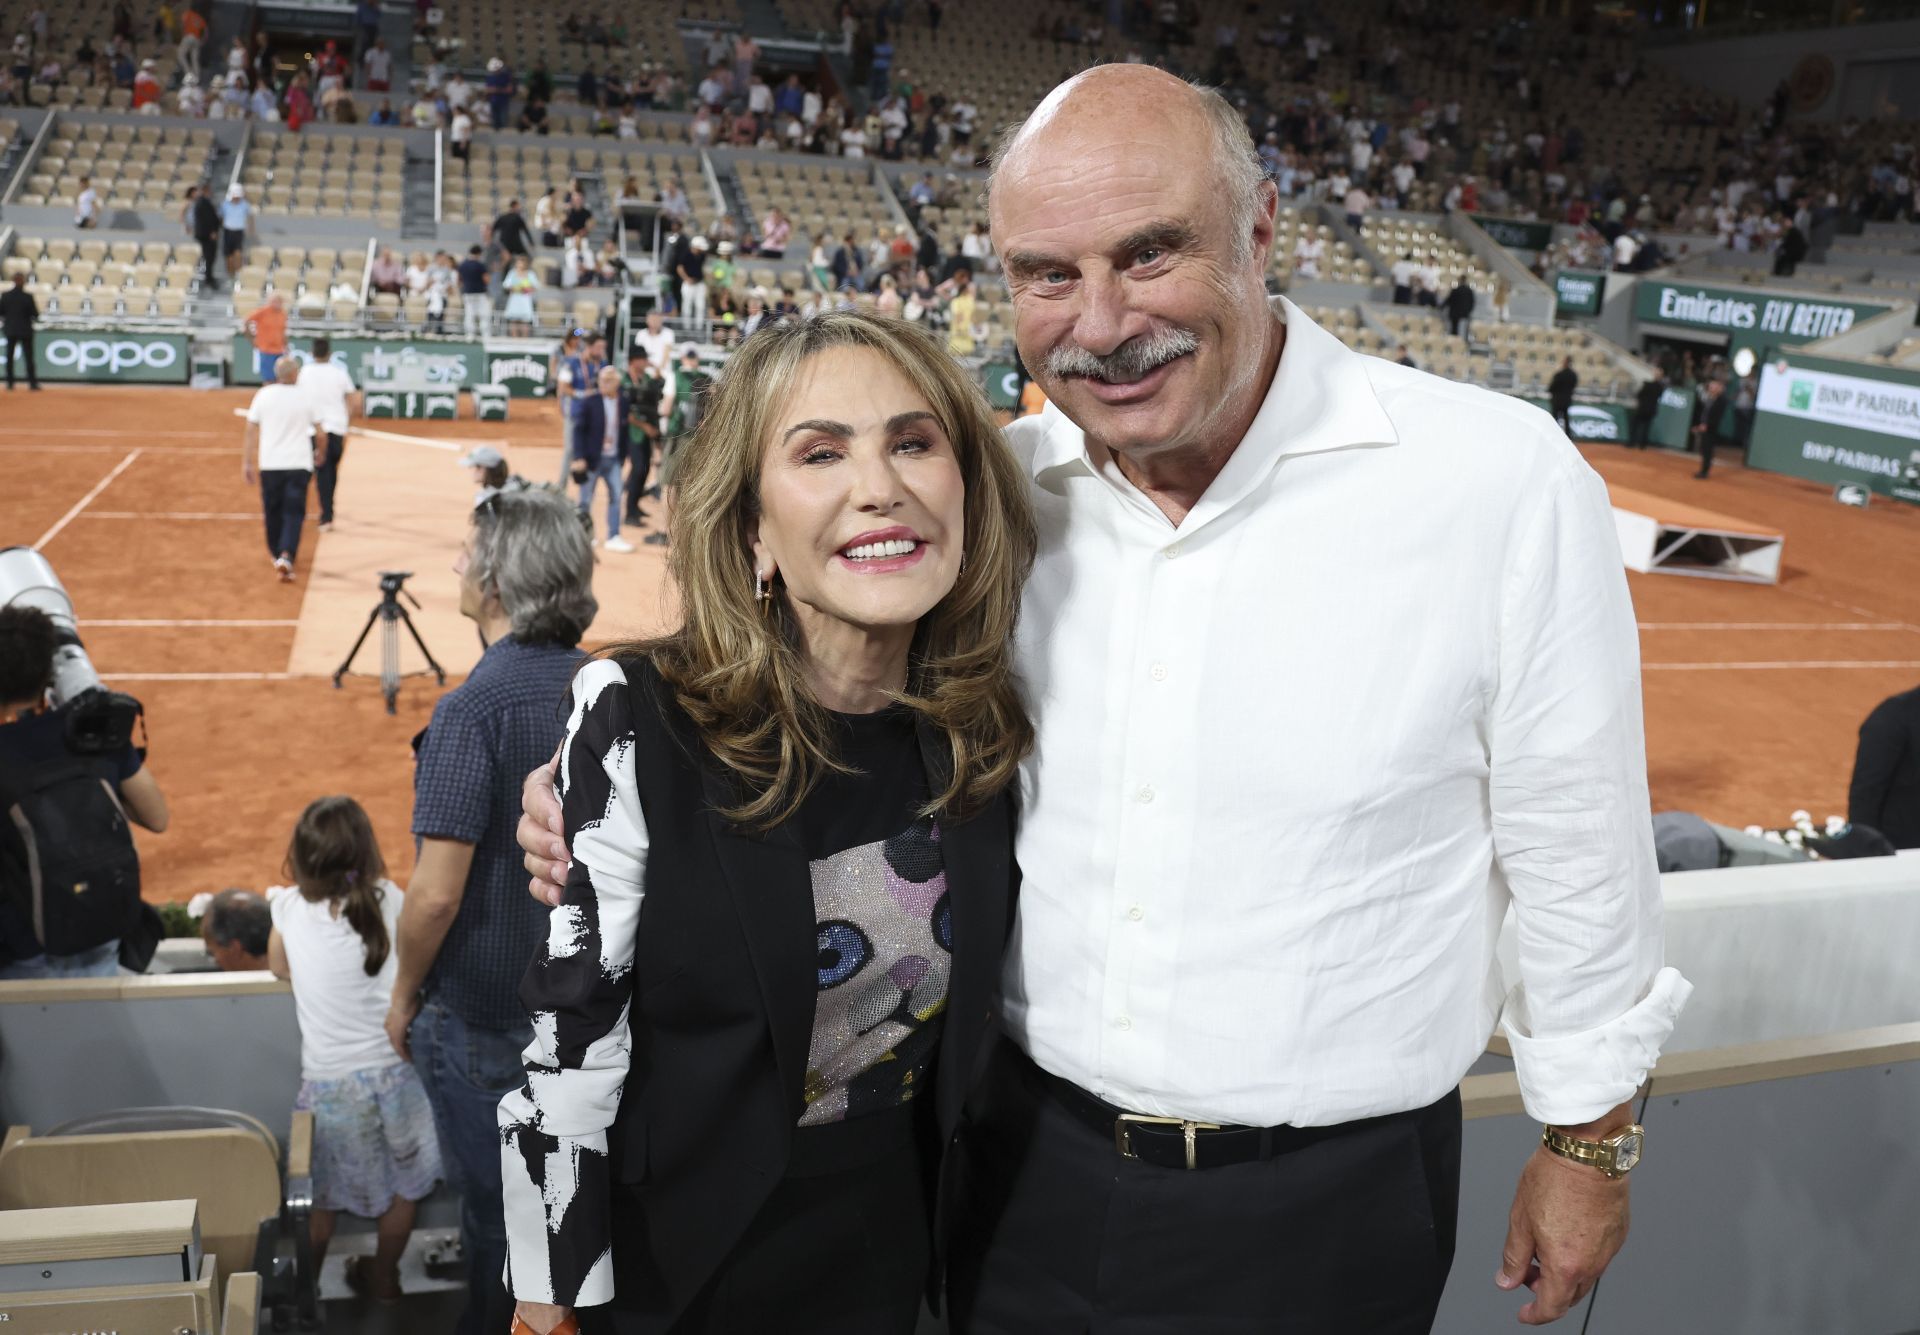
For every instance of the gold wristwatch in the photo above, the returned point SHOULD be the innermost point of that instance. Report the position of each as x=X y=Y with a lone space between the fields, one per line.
x=1615 y=1156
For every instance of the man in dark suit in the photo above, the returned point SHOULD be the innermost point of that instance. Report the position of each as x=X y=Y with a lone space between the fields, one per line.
x=1646 y=406
x=1560 y=394
x=1885 y=793
x=1715 y=423
x=18 y=311
x=203 y=218
x=1459 y=308
x=600 y=430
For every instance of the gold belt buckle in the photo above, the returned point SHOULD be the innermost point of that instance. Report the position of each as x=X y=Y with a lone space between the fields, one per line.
x=1122 y=1128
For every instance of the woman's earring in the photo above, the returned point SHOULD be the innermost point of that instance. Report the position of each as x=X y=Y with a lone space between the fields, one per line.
x=763 y=591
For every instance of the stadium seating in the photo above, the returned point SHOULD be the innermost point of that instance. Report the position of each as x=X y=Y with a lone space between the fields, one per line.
x=527 y=35
x=133 y=165
x=526 y=168
x=327 y=176
x=1338 y=264
x=102 y=277
x=1391 y=237
x=820 y=197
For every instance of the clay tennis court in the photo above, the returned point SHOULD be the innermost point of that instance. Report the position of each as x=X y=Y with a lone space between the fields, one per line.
x=1753 y=692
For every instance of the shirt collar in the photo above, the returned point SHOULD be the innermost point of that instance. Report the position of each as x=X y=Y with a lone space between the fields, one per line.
x=1321 y=399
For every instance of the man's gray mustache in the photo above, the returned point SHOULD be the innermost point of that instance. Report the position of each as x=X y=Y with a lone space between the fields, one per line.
x=1128 y=362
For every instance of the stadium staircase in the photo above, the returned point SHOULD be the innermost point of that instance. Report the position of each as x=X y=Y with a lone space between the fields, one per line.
x=417 y=203
x=734 y=195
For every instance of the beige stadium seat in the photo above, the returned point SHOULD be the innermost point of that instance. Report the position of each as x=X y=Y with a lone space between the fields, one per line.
x=82 y=273
x=92 y=250
x=170 y=303
x=127 y=252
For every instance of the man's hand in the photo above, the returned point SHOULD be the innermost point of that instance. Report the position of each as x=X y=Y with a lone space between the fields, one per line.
x=540 y=836
x=1568 y=1221
x=400 y=1017
x=249 y=472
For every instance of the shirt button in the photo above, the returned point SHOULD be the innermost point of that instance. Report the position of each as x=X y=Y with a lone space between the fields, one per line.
x=1136 y=913
x=1122 y=1022
x=1172 y=550
x=1158 y=672
x=1145 y=794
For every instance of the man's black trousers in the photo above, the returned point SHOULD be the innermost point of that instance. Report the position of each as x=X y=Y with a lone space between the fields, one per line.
x=24 y=342
x=639 y=464
x=328 y=472
x=1054 y=1231
x=283 y=500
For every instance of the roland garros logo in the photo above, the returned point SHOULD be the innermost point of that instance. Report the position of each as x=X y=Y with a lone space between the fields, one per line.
x=102 y=354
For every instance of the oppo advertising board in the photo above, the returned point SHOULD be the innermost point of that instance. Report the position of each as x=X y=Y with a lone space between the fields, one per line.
x=113 y=357
x=1593 y=421
x=1751 y=319
x=1834 y=421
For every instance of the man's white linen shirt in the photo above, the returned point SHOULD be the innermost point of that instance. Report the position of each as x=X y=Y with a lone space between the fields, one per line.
x=1296 y=755
x=329 y=384
x=286 y=416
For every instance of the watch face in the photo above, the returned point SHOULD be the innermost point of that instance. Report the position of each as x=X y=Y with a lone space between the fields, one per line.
x=1626 y=1151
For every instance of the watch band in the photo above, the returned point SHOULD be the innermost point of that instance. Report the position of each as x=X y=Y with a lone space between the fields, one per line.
x=1616 y=1155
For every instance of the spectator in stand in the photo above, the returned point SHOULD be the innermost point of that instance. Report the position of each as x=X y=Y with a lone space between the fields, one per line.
x=690 y=269
x=976 y=248
x=1459 y=308
x=330 y=385
x=847 y=265
x=1884 y=793
x=279 y=456
x=387 y=274
x=18 y=311
x=673 y=203
x=1356 y=204
x=146 y=88
x=475 y=304
x=960 y=315
x=656 y=342
x=1560 y=392
x=378 y=64
x=467 y=928
x=520 y=285
x=776 y=231
x=460 y=135
x=1307 y=252
x=235 y=929
x=86 y=206
x=576 y=264
x=1404 y=273
x=458 y=92
x=193 y=33
x=499 y=89
x=1428 y=293
x=547 y=213
x=375 y=1153
x=511 y=233
x=578 y=220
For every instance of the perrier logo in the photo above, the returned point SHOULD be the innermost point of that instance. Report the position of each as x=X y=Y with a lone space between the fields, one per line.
x=1800 y=395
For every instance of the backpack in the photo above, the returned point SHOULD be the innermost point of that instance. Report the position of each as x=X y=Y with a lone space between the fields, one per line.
x=70 y=862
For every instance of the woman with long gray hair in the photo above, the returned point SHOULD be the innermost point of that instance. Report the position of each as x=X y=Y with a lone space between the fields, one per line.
x=769 y=979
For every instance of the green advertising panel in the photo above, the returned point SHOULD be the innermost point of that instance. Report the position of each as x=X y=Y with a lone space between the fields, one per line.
x=1579 y=291
x=490 y=402
x=419 y=363
x=1593 y=421
x=1002 y=380
x=113 y=357
x=1516 y=233
x=1753 y=319
x=522 y=374
x=442 y=404
x=1673 y=419
x=1835 y=421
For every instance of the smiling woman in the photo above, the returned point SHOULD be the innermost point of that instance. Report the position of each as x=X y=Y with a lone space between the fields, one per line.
x=807 y=786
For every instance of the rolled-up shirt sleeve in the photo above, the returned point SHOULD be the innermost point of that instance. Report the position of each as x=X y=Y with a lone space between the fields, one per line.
x=578 y=989
x=1571 y=819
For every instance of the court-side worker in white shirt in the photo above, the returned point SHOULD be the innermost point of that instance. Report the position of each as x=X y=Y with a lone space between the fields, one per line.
x=328 y=381
x=1331 y=662
x=279 y=456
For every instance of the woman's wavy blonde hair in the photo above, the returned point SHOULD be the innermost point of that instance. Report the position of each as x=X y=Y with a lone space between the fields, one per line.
x=735 y=666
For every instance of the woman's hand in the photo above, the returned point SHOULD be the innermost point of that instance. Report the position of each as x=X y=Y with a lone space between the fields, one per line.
x=542 y=1318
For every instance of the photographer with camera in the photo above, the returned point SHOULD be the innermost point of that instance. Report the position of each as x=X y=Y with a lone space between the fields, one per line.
x=69 y=872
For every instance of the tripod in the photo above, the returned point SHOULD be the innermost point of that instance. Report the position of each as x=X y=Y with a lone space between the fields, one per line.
x=389 y=613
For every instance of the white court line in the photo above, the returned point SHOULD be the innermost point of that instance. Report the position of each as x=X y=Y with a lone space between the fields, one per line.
x=1761 y=667
x=196 y=676
x=1773 y=625
x=169 y=514
x=125 y=435
x=85 y=500
x=189 y=621
x=452 y=446
x=111 y=449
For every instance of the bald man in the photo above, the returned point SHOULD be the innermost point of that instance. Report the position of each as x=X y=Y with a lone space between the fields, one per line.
x=278 y=454
x=1331 y=663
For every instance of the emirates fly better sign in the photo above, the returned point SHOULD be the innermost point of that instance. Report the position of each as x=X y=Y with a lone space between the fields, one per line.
x=1752 y=318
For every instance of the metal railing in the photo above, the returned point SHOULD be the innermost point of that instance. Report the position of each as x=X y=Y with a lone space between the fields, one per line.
x=27 y=161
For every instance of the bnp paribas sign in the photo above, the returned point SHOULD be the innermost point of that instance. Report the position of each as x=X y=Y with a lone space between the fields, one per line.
x=1751 y=317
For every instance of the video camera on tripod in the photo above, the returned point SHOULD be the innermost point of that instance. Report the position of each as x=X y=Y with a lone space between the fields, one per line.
x=98 y=721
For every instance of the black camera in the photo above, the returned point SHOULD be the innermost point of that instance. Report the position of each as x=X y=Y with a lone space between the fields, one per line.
x=391 y=580
x=98 y=720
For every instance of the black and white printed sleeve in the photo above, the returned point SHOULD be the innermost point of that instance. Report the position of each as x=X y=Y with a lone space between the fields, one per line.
x=554 y=1128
